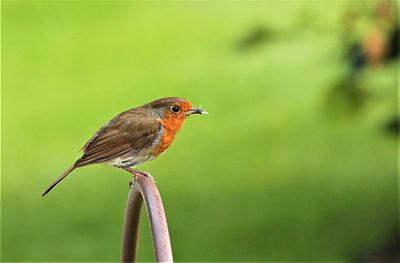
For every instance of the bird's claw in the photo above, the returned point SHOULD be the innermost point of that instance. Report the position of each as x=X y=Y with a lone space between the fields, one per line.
x=136 y=173
x=131 y=182
x=147 y=174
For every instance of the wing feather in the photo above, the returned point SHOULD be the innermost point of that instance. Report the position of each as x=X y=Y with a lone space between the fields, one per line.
x=130 y=131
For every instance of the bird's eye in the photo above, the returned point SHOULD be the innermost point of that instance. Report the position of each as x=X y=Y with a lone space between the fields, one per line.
x=175 y=109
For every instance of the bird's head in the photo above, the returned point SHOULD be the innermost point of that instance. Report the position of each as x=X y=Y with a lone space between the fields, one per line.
x=173 y=111
x=174 y=108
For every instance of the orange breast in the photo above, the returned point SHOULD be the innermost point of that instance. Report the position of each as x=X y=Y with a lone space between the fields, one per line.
x=171 y=126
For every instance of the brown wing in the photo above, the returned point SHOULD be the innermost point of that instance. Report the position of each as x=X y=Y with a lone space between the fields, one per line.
x=129 y=131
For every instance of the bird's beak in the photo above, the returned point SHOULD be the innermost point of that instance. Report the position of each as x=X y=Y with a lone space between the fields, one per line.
x=196 y=111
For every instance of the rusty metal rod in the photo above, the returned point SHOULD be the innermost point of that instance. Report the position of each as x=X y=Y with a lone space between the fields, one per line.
x=144 y=187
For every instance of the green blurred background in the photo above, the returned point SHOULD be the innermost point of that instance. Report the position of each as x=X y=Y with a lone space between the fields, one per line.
x=297 y=159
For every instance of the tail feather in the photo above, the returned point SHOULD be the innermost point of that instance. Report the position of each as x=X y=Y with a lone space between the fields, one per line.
x=55 y=182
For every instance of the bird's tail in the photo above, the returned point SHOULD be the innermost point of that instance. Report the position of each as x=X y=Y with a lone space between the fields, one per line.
x=55 y=182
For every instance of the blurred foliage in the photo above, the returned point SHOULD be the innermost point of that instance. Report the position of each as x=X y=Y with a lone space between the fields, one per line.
x=283 y=168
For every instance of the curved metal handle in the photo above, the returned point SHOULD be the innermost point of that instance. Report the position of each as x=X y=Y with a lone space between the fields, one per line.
x=145 y=188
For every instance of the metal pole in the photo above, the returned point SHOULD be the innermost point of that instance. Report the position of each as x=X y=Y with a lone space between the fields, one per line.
x=131 y=226
x=145 y=188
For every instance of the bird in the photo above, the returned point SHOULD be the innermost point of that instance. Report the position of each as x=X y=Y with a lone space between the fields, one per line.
x=134 y=136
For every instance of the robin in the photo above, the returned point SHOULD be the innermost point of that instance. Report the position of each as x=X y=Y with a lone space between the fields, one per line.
x=135 y=136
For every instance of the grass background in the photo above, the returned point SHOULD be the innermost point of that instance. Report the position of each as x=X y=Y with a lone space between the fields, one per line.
x=279 y=170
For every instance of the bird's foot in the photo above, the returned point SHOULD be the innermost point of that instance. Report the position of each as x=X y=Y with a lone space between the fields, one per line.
x=145 y=174
x=131 y=182
x=137 y=172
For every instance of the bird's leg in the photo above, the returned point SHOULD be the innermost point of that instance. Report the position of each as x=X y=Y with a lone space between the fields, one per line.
x=143 y=173
x=137 y=172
